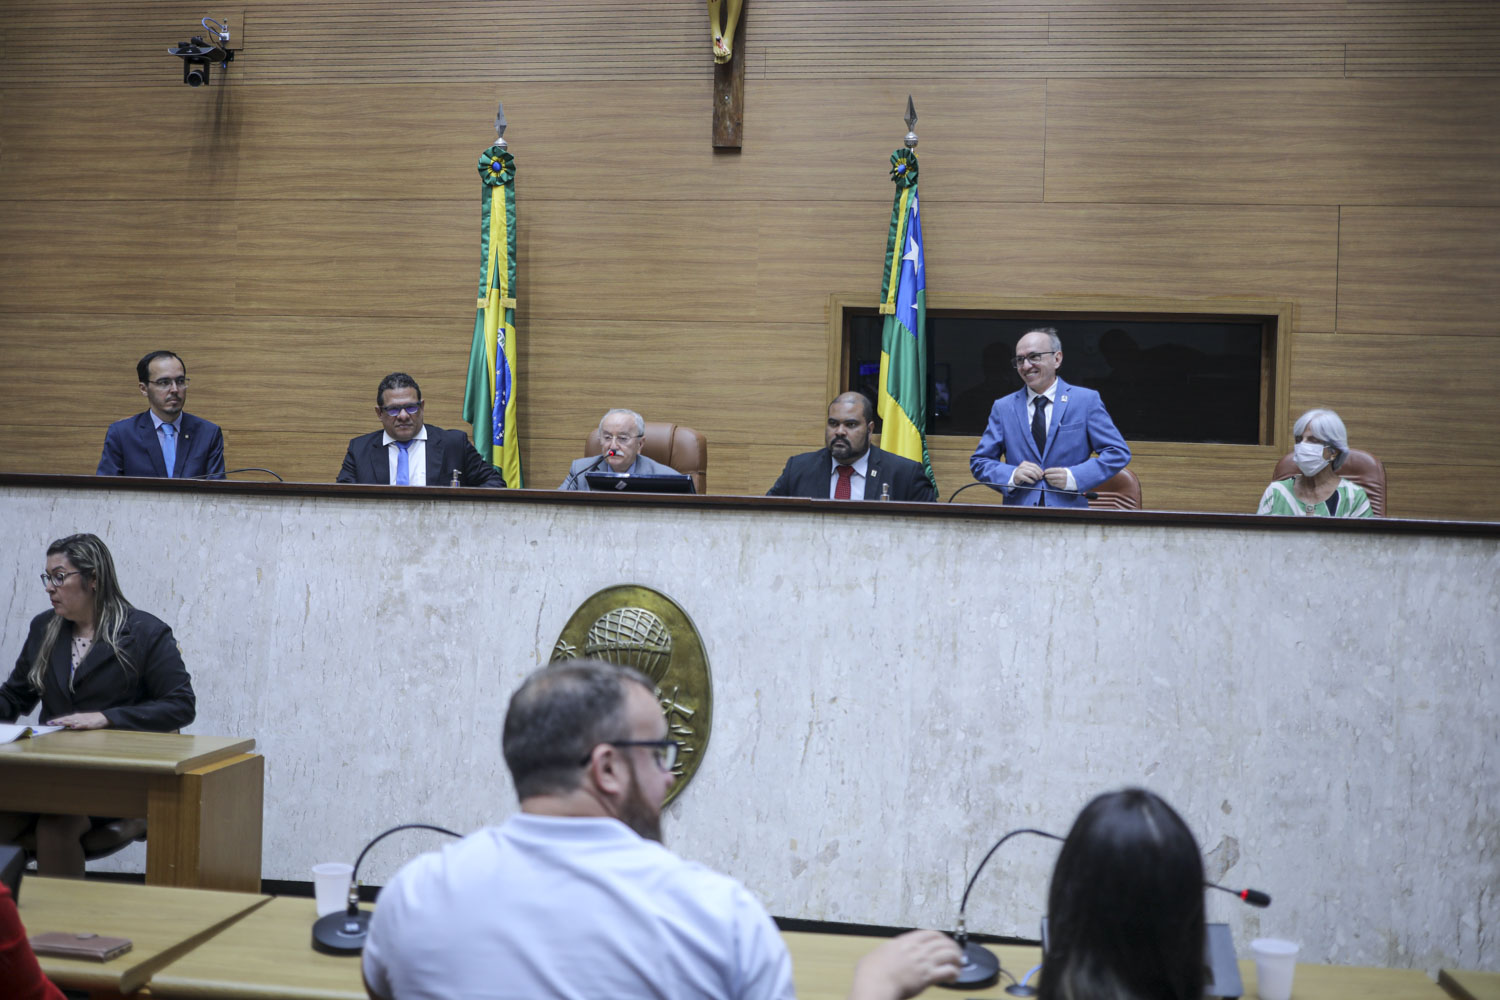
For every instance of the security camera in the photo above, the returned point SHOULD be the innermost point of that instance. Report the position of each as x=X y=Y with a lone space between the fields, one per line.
x=199 y=55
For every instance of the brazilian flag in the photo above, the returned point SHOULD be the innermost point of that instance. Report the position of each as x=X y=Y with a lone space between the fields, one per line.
x=902 y=401
x=490 y=394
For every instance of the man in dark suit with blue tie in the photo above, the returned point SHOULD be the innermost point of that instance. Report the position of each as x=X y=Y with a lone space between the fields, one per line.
x=1056 y=439
x=163 y=441
x=409 y=452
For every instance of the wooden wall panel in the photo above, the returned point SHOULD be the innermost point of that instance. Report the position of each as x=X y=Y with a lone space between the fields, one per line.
x=1415 y=398
x=345 y=258
x=1178 y=251
x=121 y=143
x=328 y=180
x=1420 y=270
x=1442 y=493
x=115 y=257
x=1270 y=142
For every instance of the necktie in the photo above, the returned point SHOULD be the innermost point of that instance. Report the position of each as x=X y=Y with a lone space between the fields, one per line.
x=1039 y=424
x=841 y=491
x=169 y=447
x=403 y=464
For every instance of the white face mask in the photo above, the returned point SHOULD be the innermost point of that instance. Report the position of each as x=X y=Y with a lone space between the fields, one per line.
x=1309 y=457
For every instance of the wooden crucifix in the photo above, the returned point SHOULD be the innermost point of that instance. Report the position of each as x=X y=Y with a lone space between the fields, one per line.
x=724 y=17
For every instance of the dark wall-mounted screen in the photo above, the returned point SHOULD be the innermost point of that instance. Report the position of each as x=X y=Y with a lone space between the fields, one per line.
x=1196 y=379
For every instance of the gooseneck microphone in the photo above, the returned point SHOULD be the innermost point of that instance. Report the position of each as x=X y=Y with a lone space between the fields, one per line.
x=1252 y=896
x=345 y=933
x=588 y=468
x=1089 y=495
x=981 y=969
x=223 y=475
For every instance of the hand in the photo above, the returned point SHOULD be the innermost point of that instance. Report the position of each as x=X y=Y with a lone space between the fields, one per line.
x=1027 y=473
x=81 y=720
x=1057 y=478
x=905 y=966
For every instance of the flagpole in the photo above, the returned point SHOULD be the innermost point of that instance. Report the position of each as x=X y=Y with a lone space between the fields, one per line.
x=901 y=397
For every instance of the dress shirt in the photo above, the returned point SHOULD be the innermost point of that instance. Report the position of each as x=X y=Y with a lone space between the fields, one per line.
x=416 y=457
x=856 y=481
x=1051 y=395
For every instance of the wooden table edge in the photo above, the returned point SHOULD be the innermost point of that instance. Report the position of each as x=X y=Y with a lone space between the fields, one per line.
x=192 y=987
x=167 y=956
x=1449 y=980
x=106 y=763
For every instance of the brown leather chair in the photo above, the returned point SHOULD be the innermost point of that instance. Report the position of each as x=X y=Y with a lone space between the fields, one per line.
x=1122 y=491
x=683 y=448
x=1360 y=467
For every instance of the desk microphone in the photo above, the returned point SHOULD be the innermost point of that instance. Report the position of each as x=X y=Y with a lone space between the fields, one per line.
x=1089 y=495
x=981 y=969
x=345 y=933
x=590 y=468
x=222 y=475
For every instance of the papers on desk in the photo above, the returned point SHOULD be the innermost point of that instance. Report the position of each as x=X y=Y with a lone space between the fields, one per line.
x=12 y=731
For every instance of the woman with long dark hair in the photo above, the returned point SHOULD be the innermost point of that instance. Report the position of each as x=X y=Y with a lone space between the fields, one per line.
x=94 y=661
x=1125 y=911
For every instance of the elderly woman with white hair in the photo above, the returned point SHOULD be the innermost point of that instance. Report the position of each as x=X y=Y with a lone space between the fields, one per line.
x=1317 y=490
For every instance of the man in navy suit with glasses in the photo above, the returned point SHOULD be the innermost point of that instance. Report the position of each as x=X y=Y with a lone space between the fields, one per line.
x=163 y=441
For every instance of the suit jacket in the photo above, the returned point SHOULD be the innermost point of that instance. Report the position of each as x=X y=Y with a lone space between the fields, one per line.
x=807 y=475
x=368 y=461
x=1080 y=426
x=643 y=466
x=131 y=448
x=153 y=693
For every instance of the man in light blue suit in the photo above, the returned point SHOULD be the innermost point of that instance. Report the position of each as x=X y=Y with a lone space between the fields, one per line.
x=163 y=441
x=1045 y=437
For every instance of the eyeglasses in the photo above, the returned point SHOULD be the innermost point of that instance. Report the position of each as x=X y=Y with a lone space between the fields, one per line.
x=665 y=751
x=51 y=580
x=396 y=411
x=1034 y=358
x=618 y=438
x=180 y=382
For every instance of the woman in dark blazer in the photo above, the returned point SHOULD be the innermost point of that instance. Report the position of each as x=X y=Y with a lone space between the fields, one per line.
x=94 y=662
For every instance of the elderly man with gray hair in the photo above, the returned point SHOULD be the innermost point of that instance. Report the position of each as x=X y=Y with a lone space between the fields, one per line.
x=1317 y=490
x=622 y=432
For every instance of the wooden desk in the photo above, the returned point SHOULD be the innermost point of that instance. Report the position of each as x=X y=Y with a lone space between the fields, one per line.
x=201 y=796
x=266 y=956
x=1466 y=985
x=823 y=967
x=1342 y=982
x=163 y=924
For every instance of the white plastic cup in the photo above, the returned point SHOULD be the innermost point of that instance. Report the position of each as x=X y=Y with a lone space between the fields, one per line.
x=1275 y=961
x=331 y=886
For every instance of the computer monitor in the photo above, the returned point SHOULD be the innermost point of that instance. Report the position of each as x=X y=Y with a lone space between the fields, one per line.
x=624 y=482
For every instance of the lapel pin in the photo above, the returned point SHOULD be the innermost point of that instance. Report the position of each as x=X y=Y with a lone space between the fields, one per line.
x=1064 y=399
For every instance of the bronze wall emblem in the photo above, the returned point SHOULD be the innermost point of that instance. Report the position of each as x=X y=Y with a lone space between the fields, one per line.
x=642 y=628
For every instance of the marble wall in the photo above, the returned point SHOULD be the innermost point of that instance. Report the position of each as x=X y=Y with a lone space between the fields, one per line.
x=891 y=693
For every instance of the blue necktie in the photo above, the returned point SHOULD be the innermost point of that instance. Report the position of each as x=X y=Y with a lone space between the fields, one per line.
x=169 y=447
x=403 y=464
